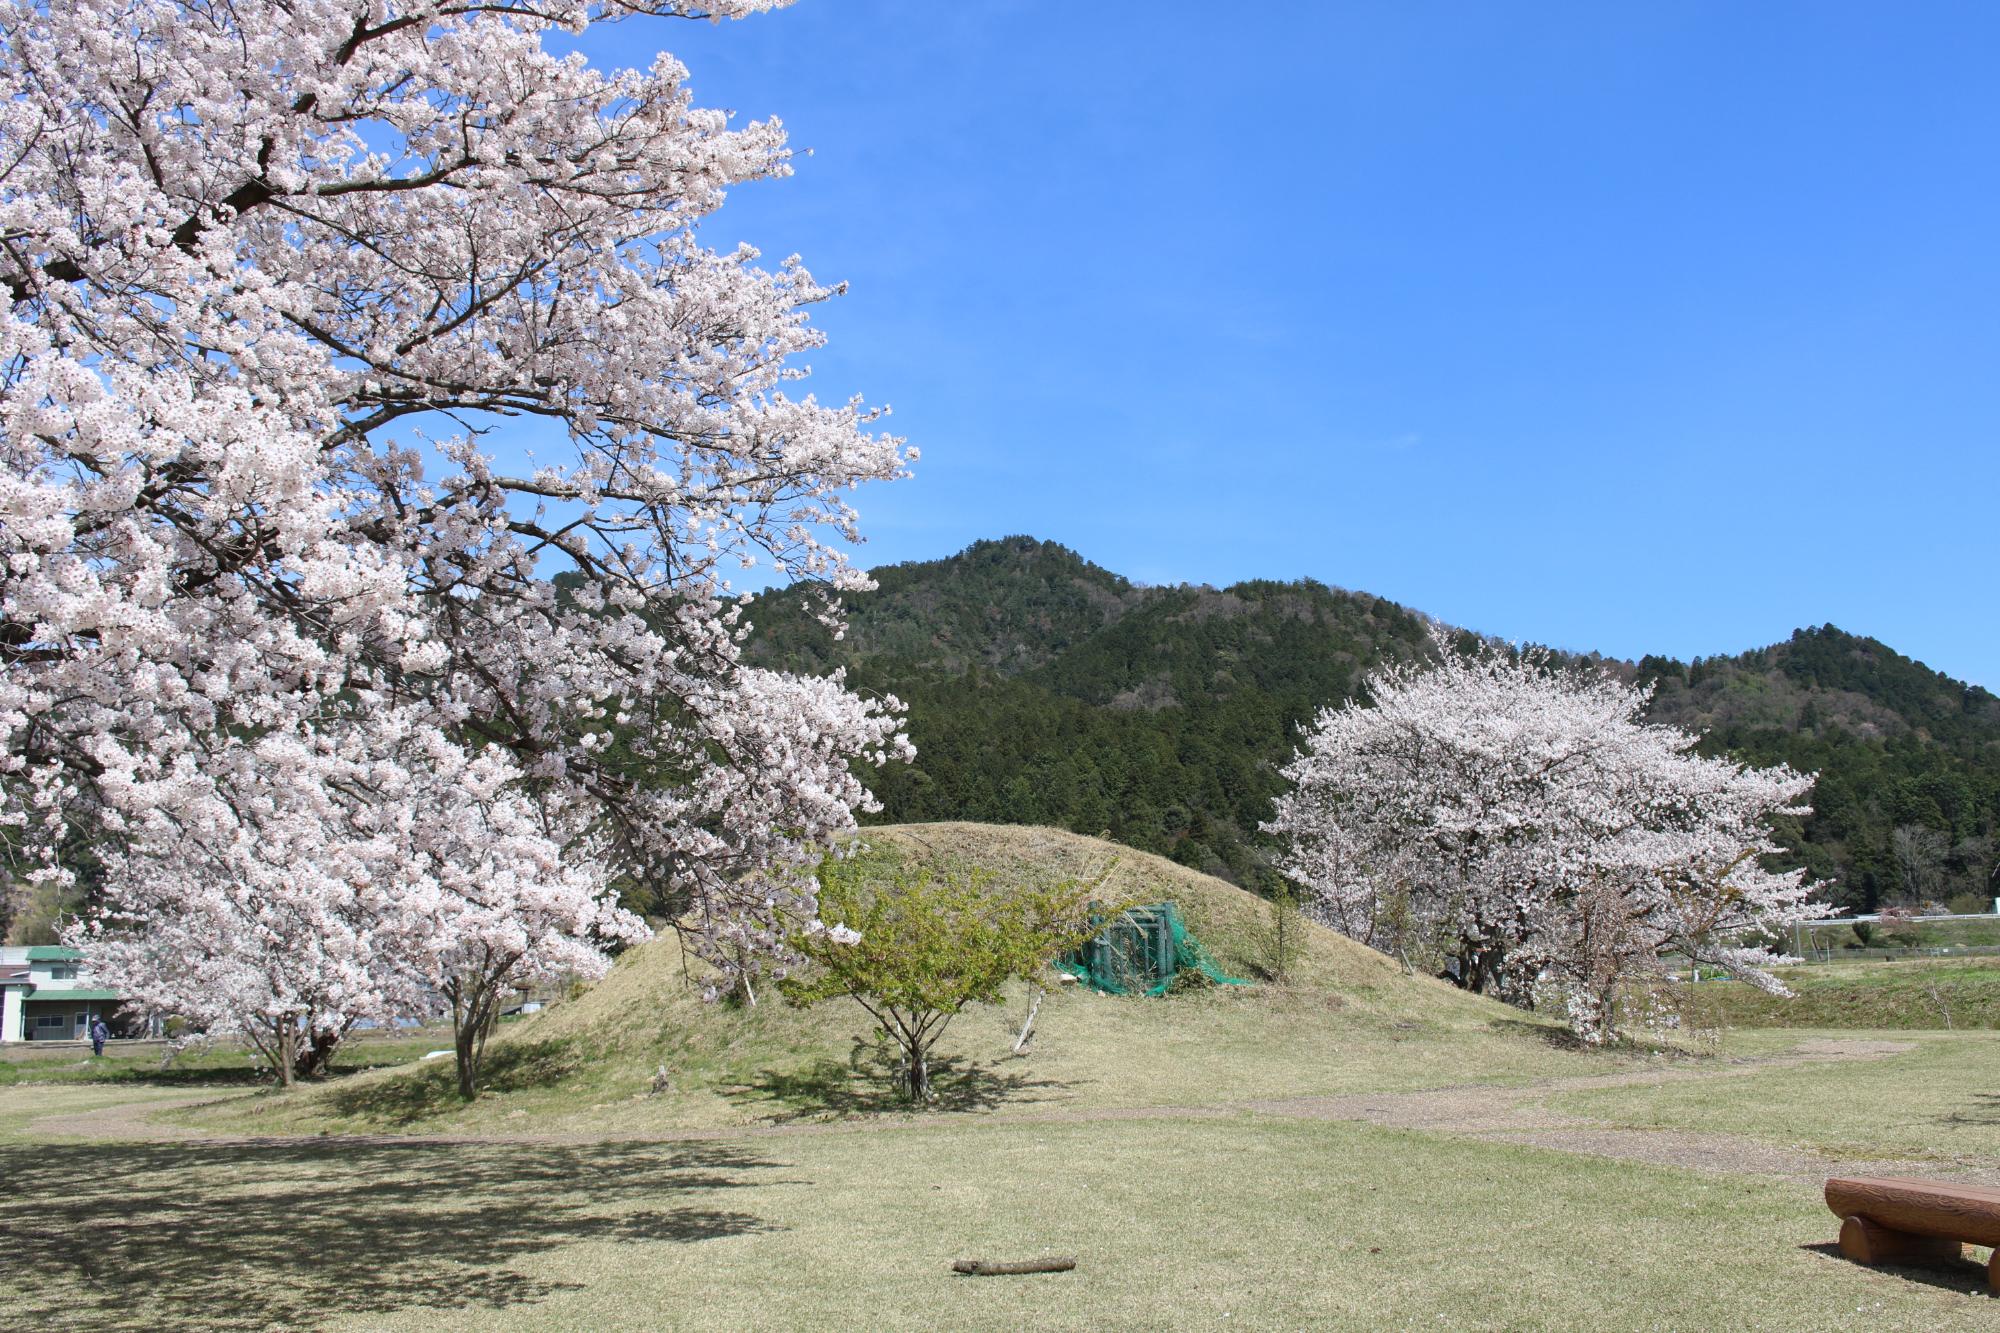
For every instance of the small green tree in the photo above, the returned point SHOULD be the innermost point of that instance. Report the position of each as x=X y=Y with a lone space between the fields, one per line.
x=929 y=946
x=1283 y=939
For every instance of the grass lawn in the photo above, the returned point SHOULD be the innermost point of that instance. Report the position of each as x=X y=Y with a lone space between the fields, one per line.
x=1950 y=993
x=1240 y=1222
x=779 y=1065
x=1921 y=932
x=222 y=1064
x=1122 y=1138
x=1940 y=1100
x=1351 y=1020
x=1228 y=1219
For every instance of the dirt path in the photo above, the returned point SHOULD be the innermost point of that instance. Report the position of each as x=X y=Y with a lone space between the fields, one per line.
x=1484 y=1111
x=1518 y=1115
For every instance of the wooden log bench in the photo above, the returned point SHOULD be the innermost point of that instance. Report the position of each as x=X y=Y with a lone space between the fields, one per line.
x=1886 y=1220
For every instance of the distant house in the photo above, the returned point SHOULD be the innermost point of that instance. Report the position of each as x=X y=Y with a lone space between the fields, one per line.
x=42 y=1000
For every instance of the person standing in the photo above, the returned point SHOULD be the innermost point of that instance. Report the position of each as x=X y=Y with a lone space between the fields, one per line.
x=99 y=1034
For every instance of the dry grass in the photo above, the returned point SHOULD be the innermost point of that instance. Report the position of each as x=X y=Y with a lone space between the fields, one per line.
x=1233 y=1223
x=1914 y=993
x=1351 y=1020
x=1192 y=1212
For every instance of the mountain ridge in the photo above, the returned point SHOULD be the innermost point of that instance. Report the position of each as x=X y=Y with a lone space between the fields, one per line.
x=1044 y=688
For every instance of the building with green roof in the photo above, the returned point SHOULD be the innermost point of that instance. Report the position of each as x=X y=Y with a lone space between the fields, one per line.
x=43 y=999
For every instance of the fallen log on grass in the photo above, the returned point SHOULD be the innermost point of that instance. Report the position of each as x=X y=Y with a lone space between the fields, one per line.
x=987 y=1268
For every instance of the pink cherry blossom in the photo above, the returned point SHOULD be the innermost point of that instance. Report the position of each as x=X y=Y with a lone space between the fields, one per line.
x=267 y=598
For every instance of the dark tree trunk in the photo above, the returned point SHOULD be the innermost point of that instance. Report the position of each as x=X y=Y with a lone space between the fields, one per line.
x=468 y=1042
x=1482 y=970
x=916 y=1045
x=316 y=1057
x=475 y=1007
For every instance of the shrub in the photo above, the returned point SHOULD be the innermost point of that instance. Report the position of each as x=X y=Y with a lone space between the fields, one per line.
x=915 y=950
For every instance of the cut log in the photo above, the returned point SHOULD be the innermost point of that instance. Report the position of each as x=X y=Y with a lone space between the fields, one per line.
x=988 y=1268
x=1970 y=1213
x=1865 y=1242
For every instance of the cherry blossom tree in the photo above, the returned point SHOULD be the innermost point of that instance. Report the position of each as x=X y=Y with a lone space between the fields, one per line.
x=264 y=913
x=274 y=273
x=291 y=972
x=499 y=905
x=1526 y=823
x=354 y=888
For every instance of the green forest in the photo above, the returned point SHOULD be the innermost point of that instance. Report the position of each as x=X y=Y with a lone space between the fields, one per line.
x=1043 y=689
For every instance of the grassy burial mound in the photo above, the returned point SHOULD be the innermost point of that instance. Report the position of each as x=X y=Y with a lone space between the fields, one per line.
x=642 y=1051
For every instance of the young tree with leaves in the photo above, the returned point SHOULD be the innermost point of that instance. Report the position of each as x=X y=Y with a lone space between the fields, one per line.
x=1536 y=833
x=914 y=949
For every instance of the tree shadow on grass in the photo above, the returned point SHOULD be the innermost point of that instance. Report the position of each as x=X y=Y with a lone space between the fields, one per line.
x=865 y=1084
x=1562 y=1039
x=237 y=1070
x=145 y=1236
x=1967 y=1276
x=430 y=1089
x=1983 y=1110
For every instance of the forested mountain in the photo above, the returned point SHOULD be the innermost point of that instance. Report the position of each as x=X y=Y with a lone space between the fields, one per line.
x=1045 y=689
x=1908 y=801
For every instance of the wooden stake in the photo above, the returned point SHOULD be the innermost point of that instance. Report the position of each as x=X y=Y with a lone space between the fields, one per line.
x=1028 y=1028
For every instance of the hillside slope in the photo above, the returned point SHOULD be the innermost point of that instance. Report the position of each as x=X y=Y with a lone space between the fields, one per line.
x=1350 y=1020
x=1044 y=689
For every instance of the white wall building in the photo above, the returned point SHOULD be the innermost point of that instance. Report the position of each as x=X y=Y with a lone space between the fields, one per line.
x=41 y=998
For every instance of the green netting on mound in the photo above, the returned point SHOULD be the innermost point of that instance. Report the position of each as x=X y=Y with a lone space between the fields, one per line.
x=1141 y=952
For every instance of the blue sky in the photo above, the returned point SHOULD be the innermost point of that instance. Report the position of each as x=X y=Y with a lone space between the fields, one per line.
x=1638 y=327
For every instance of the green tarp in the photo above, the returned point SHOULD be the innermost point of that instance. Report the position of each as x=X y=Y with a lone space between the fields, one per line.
x=1141 y=953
